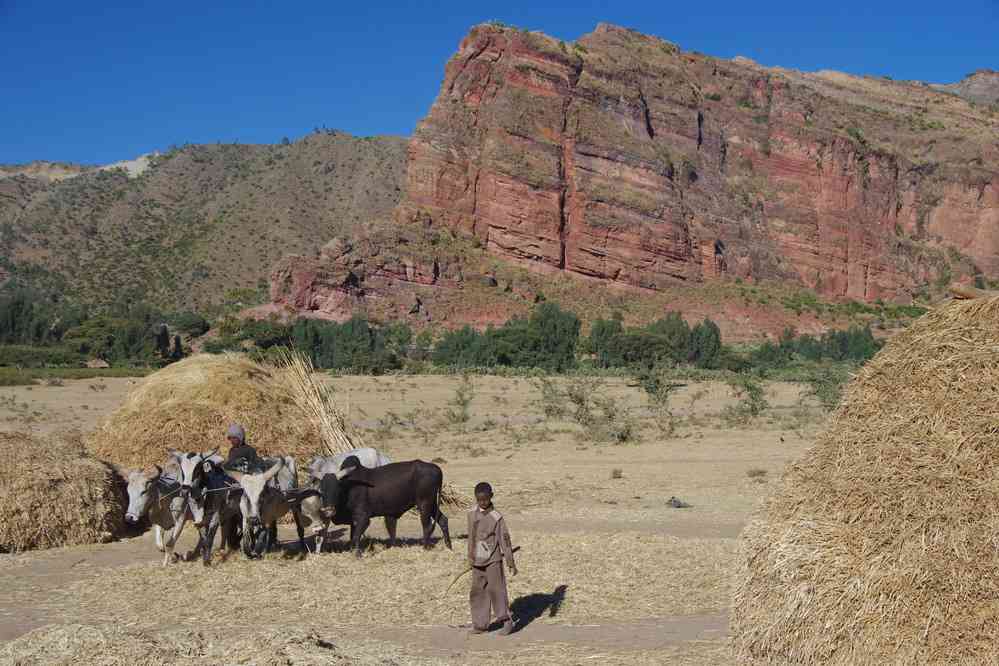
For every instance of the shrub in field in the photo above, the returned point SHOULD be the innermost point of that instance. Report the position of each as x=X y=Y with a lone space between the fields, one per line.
x=580 y=391
x=752 y=400
x=613 y=422
x=826 y=384
x=552 y=399
x=459 y=412
x=658 y=389
x=600 y=415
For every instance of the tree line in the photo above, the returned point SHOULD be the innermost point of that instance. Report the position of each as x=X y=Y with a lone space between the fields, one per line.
x=37 y=330
x=41 y=331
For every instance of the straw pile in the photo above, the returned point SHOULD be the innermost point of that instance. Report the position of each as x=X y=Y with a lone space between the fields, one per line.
x=188 y=405
x=882 y=544
x=52 y=493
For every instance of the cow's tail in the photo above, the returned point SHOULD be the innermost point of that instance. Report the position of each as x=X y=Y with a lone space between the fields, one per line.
x=437 y=507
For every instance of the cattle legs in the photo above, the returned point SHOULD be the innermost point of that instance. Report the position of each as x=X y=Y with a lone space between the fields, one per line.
x=171 y=540
x=232 y=532
x=431 y=513
x=391 y=522
x=296 y=514
x=357 y=529
x=442 y=521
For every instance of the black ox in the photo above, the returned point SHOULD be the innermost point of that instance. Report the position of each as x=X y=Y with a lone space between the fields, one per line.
x=389 y=491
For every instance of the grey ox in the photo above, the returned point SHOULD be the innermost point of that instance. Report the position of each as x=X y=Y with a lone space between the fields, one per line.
x=267 y=497
x=210 y=502
x=152 y=495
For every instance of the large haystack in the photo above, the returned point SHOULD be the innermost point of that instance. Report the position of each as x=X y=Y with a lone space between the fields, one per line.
x=188 y=405
x=52 y=493
x=882 y=544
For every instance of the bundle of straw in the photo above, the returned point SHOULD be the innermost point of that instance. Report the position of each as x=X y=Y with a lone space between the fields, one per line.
x=880 y=545
x=189 y=404
x=52 y=493
x=316 y=400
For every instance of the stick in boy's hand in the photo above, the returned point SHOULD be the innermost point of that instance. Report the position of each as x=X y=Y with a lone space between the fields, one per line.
x=513 y=570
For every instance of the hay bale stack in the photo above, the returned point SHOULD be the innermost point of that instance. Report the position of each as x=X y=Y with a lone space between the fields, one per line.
x=52 y=493
x=189 y=404
x=882 y=544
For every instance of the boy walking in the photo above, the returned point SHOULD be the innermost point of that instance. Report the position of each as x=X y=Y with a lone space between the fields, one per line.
x=488 y=545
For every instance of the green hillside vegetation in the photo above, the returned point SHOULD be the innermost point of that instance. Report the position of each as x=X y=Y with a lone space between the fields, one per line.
x=202 y=221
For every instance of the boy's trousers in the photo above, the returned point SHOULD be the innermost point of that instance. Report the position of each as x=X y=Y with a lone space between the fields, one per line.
x=488 y=589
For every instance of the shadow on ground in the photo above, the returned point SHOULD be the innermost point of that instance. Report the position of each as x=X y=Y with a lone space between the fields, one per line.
x=529 y=608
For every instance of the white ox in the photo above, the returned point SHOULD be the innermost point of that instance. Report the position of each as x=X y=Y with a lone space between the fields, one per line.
x=265 y=500
x=368 y=457
x=151 y=494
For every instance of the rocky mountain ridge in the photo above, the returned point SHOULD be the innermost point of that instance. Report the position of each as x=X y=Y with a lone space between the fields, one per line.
x=614 y=173
x=622 y=158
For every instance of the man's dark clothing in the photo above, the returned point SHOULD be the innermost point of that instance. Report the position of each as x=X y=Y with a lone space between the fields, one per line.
x=242 y=458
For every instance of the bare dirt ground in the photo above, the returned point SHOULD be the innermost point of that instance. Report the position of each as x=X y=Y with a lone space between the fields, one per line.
x=609 y=572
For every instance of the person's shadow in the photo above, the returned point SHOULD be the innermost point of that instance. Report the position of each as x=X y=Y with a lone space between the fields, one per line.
x=529 y=608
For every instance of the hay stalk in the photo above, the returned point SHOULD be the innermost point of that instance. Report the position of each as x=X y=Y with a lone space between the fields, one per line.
x=317 y=403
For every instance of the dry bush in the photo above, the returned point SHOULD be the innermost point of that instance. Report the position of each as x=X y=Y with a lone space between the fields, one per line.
x=52 y=493
x=189 y=404
x=880 y=545
x=552 y=399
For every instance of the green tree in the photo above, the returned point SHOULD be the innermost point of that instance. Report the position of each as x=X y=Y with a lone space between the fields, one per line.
x=675 y=333
x=705 y=344
x=602 y=341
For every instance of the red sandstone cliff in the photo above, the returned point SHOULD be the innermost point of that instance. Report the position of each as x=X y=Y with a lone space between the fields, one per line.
x=622 y=158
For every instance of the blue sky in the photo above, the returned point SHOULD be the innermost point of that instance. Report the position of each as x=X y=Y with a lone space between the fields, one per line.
x=94 y=83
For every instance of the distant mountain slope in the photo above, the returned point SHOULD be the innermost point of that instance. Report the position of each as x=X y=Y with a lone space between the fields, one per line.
x=203 y=219
x=981 y=87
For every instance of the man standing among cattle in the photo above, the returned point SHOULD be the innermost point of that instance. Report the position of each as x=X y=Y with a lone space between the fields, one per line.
x=488 y=545
x=239 y=449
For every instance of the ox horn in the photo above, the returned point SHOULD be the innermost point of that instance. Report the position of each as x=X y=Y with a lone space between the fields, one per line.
x=153 y=473
x=344 y=472
x=269 y=474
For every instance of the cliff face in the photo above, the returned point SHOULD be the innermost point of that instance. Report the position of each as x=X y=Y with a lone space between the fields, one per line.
x=621 y=158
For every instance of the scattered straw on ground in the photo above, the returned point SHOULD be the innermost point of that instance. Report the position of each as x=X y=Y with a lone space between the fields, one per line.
x=281 y=645
x=52 y=493
x=113 y=645
x=188 y=405
x=881 y=545
x=621 y=576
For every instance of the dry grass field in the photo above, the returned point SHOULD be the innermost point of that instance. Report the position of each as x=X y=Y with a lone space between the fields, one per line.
x=610 y=573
